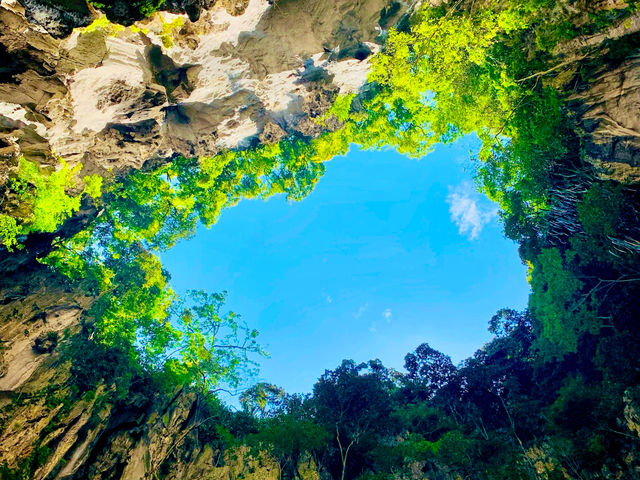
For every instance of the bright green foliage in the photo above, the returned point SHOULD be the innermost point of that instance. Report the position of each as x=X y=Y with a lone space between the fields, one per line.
x=137 y=312
x=46 y=194
x=340 y=109
x=148 y=207
x=72 y=266
x=138 y=306
x=73 y=260
x=439 y=81
x=45 y=199
x=167 y=31
x=521 y=165
x=93 y=186
x=103 y=23
x=165 y=205
x=455 y=73
x=9 y=230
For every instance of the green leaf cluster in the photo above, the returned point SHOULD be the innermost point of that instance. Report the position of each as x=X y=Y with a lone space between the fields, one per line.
x=46 y=199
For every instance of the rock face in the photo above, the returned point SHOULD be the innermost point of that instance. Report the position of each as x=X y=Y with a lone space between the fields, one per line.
x=37 y=310
x=608 y=110
x=91 y=439
x=47 y=432
x=112 y=97
x=604 y=92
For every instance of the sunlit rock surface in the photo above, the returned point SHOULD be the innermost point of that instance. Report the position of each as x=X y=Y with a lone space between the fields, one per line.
x=113 y=97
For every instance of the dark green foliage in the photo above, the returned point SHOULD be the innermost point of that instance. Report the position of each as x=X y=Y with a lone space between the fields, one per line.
x=79 y=6
x=352 y=403
x=45 y=343
x=288 y=439
x=126 y=12
x=263 y=400
x=428 y=371
x=94 y=364
x=27 y=466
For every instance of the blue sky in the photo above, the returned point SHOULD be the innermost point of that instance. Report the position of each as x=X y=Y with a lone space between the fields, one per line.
x=386 y=253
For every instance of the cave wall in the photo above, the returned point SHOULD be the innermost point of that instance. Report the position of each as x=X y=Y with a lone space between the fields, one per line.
x=115 y=97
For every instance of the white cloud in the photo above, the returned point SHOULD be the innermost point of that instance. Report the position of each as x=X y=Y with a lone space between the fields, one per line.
x=469 y=210
x=361 y=310
x=329 y=299
x=387 y=315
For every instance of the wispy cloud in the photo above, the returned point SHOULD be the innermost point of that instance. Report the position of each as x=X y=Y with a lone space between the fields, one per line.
x=469 y=210
x=329 y=299
x=361 y=310
x=387 y=315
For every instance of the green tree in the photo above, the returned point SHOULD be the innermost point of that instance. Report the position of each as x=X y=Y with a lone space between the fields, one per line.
x=209 y=347
x=288 y=439
x=264 y=400
x=565 y=311
x=428 y=370
x=354 y=402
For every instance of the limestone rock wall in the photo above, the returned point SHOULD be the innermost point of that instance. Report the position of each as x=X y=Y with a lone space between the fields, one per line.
x=48 y=432
x=609 y=112
x=38 y=310
x=113 y=97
